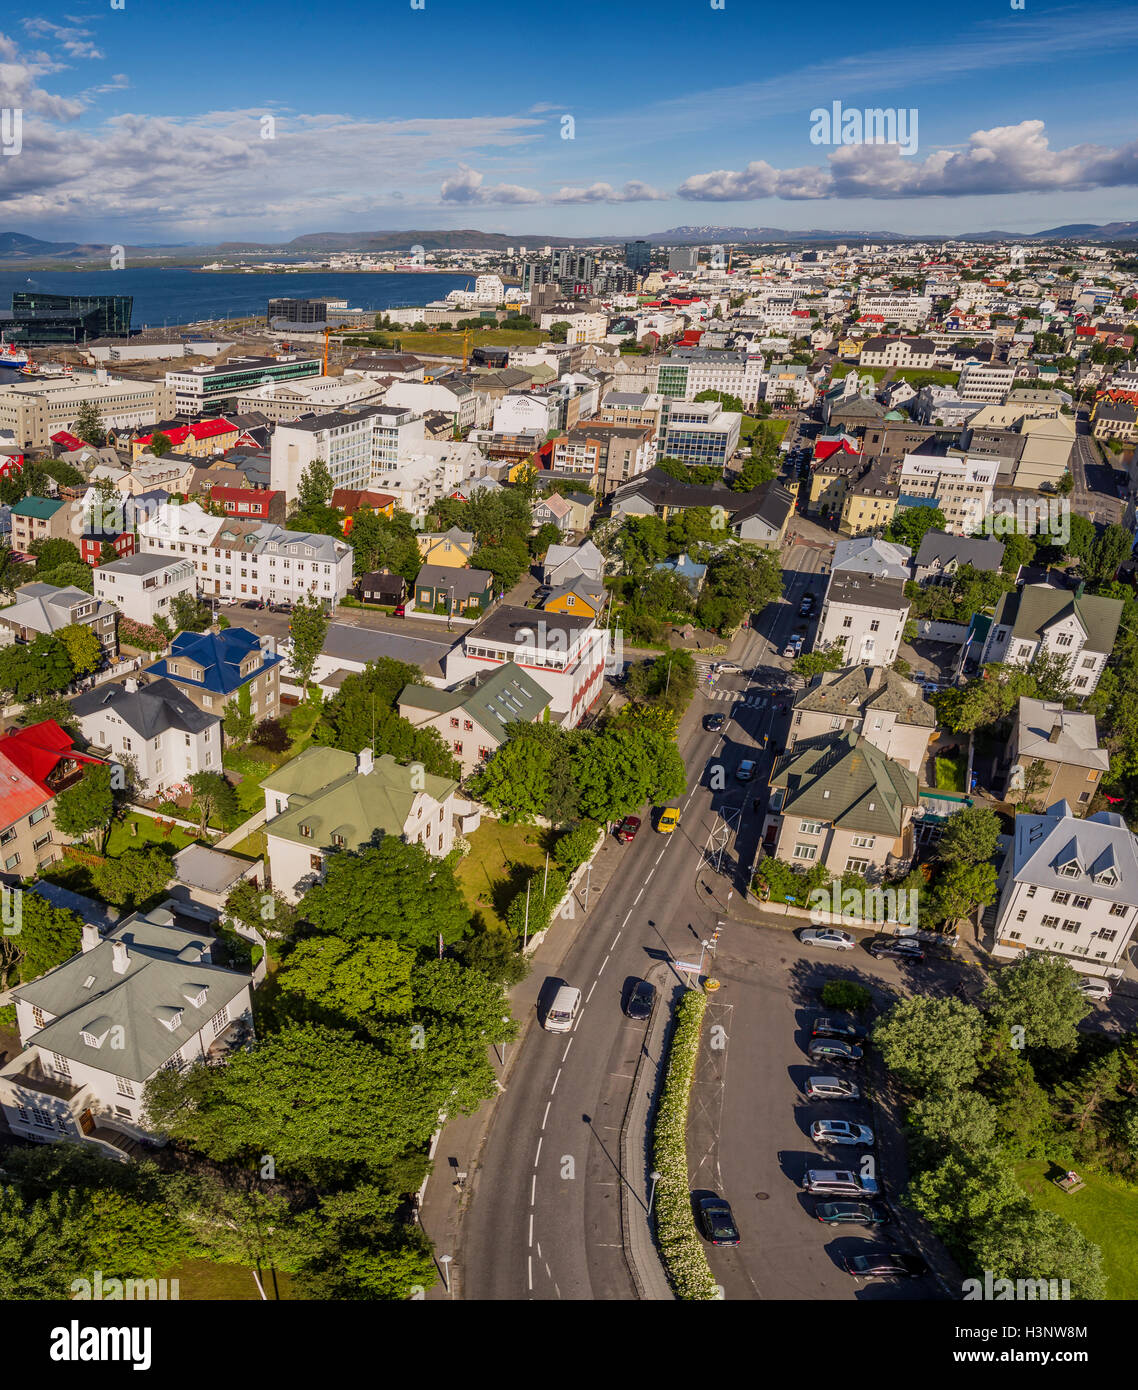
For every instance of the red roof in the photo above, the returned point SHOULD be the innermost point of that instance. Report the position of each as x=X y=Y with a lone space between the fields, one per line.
x=827 y=448
x=872 y=318
x=27 y=758
x=1089 y=329
x=348 y=499
x=204 y=429
x=68 y=441
x=692 y=335
x=242 y=494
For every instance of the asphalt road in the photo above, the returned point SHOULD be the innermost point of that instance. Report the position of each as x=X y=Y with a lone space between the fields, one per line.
x=1095 y=494
x=543 y=1220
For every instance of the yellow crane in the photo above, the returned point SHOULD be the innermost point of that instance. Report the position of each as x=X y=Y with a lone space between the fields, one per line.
x=327 y=330
x=465 y=348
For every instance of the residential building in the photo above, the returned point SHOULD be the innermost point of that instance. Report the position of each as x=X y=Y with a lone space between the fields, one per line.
x=687 y=371
x=581 y=597
x=988 y=383
x=144 y=587
x=434 y=469
x=870 y=501
x=962 y=488
x=564 y=654
x=553 y=511
x=631 y=408
x=327 y=801
x=874 y=701
x=36 y=764
x=608 y=455
x=764 y=516
x=864 y=616
x=908 y=310
x=46 y=608
x=1077 y=627
x=442 y=588
x=1115 y=420
x=918 y=354
x=95 y=536
x=207 y=390
x=283 y=402
x=1069 y=886
x=250 y=503
x=566 y=563
x=203 y=439
x=875 y=558
x=474 y=719
x=35 y=410
x=168 y=736
x=838 y=800
x=1055 y=755
x=355 y=445
x=145 y=997
x=381 y=586
x=451 y=549
x=454 y=396
x=213 y=668
x=42 y=519
x=940 y=556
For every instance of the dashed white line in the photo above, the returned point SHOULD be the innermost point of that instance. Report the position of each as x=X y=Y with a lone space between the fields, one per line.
x=638 y=897
x=624 y=924
x=600 y=972
x=530 y=1242
x=660 y=855
x=532 y=1189
x=590 y=993
x=545 y=1117
x=615 y=939
x=538 y=1154
x=568 y=1045
x=529 y=1272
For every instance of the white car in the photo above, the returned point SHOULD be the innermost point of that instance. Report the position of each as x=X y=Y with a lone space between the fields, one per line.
x=831 y=1088
x=840 y=1132
x=828 y=936
x=727 y=668
x=1094 y=988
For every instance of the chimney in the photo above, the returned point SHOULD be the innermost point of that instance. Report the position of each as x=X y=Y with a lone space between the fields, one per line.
x=130 y=685
x=1056 y=730
x=89 y=937
x=120 y=961
x=364 y=763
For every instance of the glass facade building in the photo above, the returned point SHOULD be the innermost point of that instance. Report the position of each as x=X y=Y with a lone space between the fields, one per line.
x=66 y=318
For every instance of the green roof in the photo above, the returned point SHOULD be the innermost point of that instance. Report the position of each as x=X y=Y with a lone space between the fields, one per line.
x=42 y=508
x=494 y=701
x=843 y=779
x=331 y=799
x=1037 y=606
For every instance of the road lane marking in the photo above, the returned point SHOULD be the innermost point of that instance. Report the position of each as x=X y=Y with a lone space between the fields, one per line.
x=538 y=1154
x=661 y=854
x=533 y=1189
x=545 y=1117
x=529 y=1271
x=600 y=972
x=638 y=897
x=615 y=939
x=556 y=1079
x=530 y=1242
x=590 y=993
x=624 y=924
x=569 y=1044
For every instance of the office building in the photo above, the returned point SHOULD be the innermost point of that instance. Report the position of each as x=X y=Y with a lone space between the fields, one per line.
x=66 y=318
x=701 y=433
x=683 y=260
x=210 y=390
x=638 y=256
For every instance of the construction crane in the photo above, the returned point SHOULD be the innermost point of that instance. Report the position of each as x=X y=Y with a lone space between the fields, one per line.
x=465 y=348
x=327 y=330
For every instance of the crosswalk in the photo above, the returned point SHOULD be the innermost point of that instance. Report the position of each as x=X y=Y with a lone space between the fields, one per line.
x=744 y=701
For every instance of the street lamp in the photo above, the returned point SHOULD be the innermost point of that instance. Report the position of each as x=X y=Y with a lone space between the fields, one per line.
x=652 y=1195
x=445 y=1260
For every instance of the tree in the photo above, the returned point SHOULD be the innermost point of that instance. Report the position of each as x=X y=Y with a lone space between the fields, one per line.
x=811 y=664
x=134 y=876
x=506 y=561
x=961 y=889
x=86 y=804
x=51 y=707
x=635 y=759
x=909 y=525
x=39 y=1247
x=931 y=1043
x=393 y=890
x=309 y=627
x=160 y=444
x=518 y=780
x=1018 y=551
x=189 y=614
x=1106 y=554
x=970 y=836
x=362 y=1251
x=959 y=1122
x=1025 y=1243
x=1082 y=537
x=215 y=797
x=84 y=650
x=77 y=576
x=354 y=983
x=107 y=553
x=39 y=668
x=89 y=425
x=272 y=734
x=46 y=936
x=50 y=554
x=1038 y=994
x=963 y=1193
x=316 y=486
x=238 y=719
x=559 y=331
x=725 y=399
x=668 y=680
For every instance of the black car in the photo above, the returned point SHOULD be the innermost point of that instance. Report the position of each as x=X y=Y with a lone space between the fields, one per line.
x=714 y=722
x=252 y=603
x=280 y=607
x=716 y=1221
x=837 y=1026
x=851 y=1214
x=640 y=1000
x=833 y=1050
x=886 y=1264
x=897 y=947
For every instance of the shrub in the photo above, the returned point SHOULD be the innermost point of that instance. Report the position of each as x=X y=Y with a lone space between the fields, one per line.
x=846 y=995
x=271 y=734
x=540 y=905
x=678 y=1241
x=575 y=846
x=141 y=635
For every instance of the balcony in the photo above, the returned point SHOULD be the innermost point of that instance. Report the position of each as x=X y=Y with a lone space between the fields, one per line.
x=33 y=1078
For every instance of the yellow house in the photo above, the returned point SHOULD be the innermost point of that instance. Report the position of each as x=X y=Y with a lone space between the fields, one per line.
x=452 y=548
x=204 y=439
x=581 y=599
x=849 y=348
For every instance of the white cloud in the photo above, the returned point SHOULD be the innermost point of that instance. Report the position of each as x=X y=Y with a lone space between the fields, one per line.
x=76 y=42
x=467 y=186
x=634 y=191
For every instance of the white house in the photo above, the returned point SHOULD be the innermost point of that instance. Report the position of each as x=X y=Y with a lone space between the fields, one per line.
x=327 y=801
x=433 y=468
x=1069 y=886
x=453 y=397
x=565 y=655
x=1077 y=627
x=863 y=615
x=144 y=587
x=961 y=487
x=355 y=445
x=161 y=729
x=521 y=412
x=143 y=998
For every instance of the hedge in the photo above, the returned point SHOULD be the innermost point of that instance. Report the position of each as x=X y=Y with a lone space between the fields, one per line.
x=540 y=906
x=680 y=1246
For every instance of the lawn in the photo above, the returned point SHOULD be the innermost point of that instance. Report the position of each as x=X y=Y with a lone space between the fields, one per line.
x=496 y=867
x=950 y=773
x=253 y=763
x=137 y=831
x=1106 y=1211
x=450 y=344
x=752 y=422
x=199 y=1280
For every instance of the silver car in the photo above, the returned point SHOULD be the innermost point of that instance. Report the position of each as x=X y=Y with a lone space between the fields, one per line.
x=838 y=1183
x=828 y=936
x=1094 y=988
x=840 y=1132
x=832 y=1088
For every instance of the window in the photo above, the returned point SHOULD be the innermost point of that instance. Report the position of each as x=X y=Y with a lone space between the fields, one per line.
x=805 y=851
x=37 y=816
x=61 y=1064
x=315 y=863
x=863 y=841
x=1081 y=683
x=1069 y=924
x=857 y=866
x=173 y=1063
x=811 y=827
x=219 y=1020
x=124 y=1088
x=1119 y=909
x=1088 y=661
x=11 y=862
x=1049 y=922
x=454 y=722
x=1061 y=898
x=1030 y=892
x=1081 y=902
x=468 y=725
x=37 y=1016
x=847 y=622
x=1070 y=870
x=1021 y=915
x=1064 y=639
x=1106 y=934
x=874 y=625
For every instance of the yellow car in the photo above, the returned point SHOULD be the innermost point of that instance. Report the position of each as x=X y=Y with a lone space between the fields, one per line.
x=669 y=819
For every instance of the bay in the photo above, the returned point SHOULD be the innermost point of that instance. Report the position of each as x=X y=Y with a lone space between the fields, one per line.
x=178 y=294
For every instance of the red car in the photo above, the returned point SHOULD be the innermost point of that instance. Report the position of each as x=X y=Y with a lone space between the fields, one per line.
x=626 y=830
x=400 y=611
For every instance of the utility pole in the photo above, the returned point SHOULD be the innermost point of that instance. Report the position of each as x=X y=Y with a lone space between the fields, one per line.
x=525 y=934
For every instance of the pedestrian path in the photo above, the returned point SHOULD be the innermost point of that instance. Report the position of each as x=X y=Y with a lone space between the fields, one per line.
x=746 y=701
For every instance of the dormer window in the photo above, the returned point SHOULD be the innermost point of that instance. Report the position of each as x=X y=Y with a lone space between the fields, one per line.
x=195 y=994
x=94 y=1034
x=306 y=831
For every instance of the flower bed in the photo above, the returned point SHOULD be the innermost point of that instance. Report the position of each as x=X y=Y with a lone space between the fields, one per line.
x=680 y=1246
x=141 y=635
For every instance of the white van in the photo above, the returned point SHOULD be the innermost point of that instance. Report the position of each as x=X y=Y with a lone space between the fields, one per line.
x=561 y=1013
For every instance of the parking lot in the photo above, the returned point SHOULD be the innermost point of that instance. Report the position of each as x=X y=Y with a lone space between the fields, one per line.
x=749 y=1131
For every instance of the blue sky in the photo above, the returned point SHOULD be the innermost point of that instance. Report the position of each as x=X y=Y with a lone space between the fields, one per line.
x=151 y=123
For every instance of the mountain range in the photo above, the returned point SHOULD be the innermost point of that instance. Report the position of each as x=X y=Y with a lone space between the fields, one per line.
x=17 y=248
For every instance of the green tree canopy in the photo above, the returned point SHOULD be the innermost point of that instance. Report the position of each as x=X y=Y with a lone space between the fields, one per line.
x=134 y=876
x=931 y=1043
x=86 y=804
x=1038 y=994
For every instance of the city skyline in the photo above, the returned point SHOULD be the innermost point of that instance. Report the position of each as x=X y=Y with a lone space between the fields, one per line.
x=611 y=144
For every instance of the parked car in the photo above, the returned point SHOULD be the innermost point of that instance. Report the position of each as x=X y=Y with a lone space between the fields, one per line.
x=793 y=647
x=838 y=1182
x=897 y=947
x=837 y=1026
x=669 y=819
x=828 y=936
x=714 y=722
x=833 y=1050
x=851 y=1214
x=253 y=603
x=832 y=1088
x=280 y=607
x=716 y=1221
x=400 y=611
x=746 y=770
x=626 y=830
x=640 y=1000
x=885 y=1264
x=840 y=1132
x=1094 y=988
